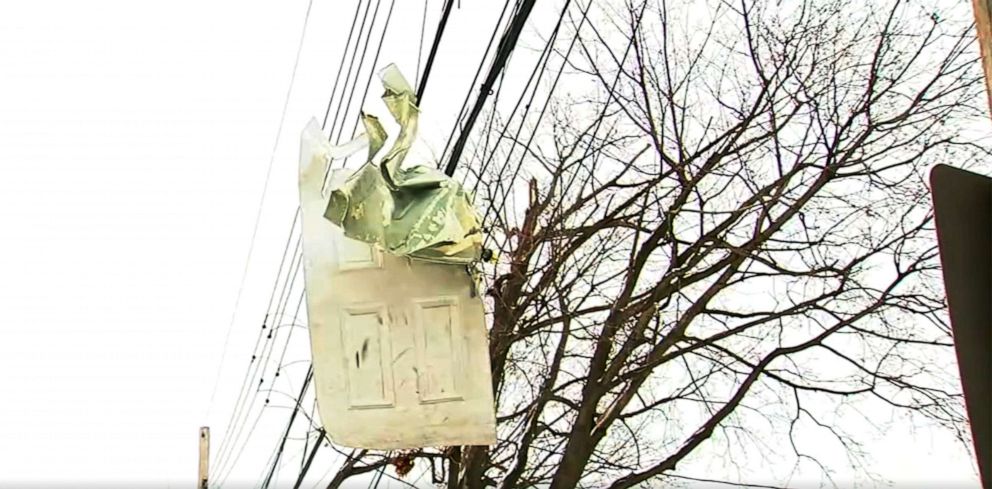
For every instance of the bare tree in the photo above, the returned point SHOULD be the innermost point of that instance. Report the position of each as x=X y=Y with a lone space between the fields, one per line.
x=719 y=236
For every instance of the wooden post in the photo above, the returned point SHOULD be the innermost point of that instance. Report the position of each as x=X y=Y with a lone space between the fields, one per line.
x=983 y=24
x=204 y=457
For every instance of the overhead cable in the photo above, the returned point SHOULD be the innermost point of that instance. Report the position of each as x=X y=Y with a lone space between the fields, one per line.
x=506 y=45
x=437 y=42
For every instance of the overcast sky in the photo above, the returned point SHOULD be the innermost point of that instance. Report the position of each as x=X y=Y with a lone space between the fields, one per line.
x=135 y=140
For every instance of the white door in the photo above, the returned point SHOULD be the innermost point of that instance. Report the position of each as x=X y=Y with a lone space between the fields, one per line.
x=399 y=346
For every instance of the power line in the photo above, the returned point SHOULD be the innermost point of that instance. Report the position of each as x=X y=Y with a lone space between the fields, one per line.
x=506 y=45
x=258 y=389
x=420 y=48
x=478 y=71
x=262 y=359
x=602 y=115
x=437 y=42
x=554 y=85
x=375 y=61
x=313 y=408
x=351 y=66
x=251 y=373
x=364 y=96
x=258 y=214
x=239 y=412
x=292 y=418
x=266 y=352
x=540 y=68
x=344 y=55
x=245 y=382
x=335 y=126
x=306 y=467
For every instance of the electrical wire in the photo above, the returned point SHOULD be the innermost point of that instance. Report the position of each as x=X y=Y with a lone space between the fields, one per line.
x=539 y=70
x=420 y=48
x=252 y=366
x=506 y=45
x=346 y=105
x=341 y=114
x=258 y=214
x=252 y=373
x=544 y=108
x=337 y=77
x=600 y=118
x=475 y=79
x=375 y=61
x=437 y=43
x=226 y=461
x=306 y=467
x=289 y=426
x=351 y=67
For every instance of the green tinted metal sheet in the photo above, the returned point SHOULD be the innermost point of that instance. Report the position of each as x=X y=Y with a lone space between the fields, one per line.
x=418 y=211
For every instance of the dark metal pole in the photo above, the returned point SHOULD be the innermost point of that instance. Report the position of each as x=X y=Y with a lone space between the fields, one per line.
x=962 y=204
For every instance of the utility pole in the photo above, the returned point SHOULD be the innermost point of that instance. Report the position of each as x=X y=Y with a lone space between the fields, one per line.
x=204 y=457
x=983 y=24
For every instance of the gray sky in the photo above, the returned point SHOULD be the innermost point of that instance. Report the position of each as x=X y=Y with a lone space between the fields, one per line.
x=135 y=138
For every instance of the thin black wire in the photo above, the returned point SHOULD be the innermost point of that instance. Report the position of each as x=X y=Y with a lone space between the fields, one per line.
x=437 y=43
x=381 y=471
x=259 y=390
x=346 y=107
x=475 y=79
x=420 y=48
x=289 y=336
x=554 y=85
x=361 y=63
x=268 y=309
x=371 y=73
x=246 y=381
x=306 y=439
x=244 y=444
x=351 y=65
x=306 y=467
x=377 y=477
x=266 y=352
x=506 y=46
x=335 y=124
x=538 y=72
x=258 y=214
x=481 y=148
x=378 y=51
x=267 y=348
x=602 y=116
x=289 y=426
x=343 y=57
x=250 y=432
x=269 y=462
x=240 y=406
x=290 y=285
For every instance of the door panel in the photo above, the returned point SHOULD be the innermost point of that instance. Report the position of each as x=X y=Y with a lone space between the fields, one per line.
x=355 y=255
x=436 y=320
x=365 y=337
